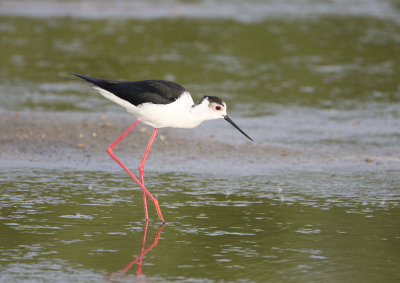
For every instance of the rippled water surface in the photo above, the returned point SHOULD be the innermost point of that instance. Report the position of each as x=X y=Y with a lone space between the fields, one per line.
x=309 y=226
x=316 y=198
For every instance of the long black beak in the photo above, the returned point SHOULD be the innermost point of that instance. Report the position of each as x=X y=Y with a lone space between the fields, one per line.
x=236 y=126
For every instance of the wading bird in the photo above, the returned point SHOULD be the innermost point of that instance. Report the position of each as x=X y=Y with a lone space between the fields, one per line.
x=159 y=104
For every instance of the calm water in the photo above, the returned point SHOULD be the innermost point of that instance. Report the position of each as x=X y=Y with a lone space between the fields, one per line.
x=314 y=199
x=296 y=225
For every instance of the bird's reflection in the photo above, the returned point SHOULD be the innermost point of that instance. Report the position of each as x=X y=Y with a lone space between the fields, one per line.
x=139 y=259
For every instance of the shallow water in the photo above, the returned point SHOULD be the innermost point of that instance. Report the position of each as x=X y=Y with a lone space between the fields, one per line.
x=315 y=198
x=274 y=227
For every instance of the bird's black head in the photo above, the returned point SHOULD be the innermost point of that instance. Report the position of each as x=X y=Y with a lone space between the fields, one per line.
x=215 y=108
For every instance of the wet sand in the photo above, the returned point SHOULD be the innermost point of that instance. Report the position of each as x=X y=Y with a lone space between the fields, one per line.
x=76 y=140
x=72 y=139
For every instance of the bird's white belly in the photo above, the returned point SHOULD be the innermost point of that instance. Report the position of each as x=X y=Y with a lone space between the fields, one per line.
x=177 y=114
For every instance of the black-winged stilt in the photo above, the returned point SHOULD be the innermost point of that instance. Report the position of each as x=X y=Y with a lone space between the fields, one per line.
x=159 y=104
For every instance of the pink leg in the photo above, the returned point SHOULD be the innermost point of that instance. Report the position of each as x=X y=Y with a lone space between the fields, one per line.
x=145 y=191
x=141 y=165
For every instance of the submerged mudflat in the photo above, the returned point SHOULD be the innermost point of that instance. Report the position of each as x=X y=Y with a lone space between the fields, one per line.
x=73 y=139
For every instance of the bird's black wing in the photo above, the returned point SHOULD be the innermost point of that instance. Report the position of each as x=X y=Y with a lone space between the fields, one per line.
x=139 y=92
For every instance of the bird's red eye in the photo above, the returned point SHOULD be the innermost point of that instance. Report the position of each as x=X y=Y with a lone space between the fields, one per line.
x=217 y=107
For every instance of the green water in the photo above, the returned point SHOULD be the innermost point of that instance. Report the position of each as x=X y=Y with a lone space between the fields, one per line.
x=265 y=228
x=324 y=62
x=314 y=199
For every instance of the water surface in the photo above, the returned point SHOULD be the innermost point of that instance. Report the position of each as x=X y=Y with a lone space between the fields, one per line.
x=265 y=228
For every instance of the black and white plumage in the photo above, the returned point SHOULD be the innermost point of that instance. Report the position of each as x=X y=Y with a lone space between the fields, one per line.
x=139 y=92
x=161 y=103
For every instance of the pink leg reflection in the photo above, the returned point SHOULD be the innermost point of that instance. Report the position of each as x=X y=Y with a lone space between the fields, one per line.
x=139 y=259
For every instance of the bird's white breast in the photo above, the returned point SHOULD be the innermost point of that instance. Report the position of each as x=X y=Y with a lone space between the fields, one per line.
x=177 y=114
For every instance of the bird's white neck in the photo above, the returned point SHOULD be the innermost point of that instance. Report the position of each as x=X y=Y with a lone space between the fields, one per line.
x=196 y=115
